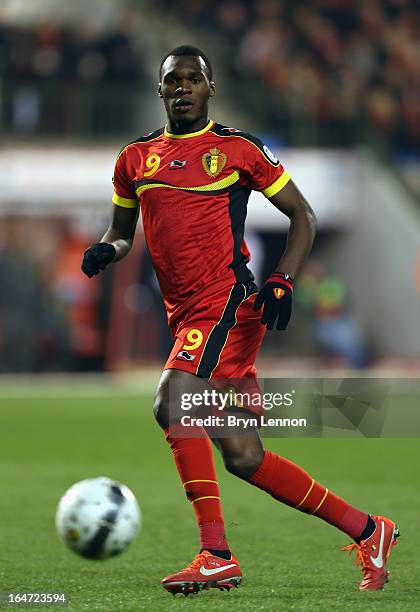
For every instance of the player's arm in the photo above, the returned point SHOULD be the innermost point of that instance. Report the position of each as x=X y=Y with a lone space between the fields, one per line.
x=292 y=203
x=276 y=295
x=115 y=244
x=121 y=230
x=117 y=241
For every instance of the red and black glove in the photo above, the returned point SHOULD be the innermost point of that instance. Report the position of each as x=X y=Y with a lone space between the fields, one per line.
x=97 y=257
x=276 y=296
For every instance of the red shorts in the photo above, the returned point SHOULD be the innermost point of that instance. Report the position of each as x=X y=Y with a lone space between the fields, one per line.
x=219 y=340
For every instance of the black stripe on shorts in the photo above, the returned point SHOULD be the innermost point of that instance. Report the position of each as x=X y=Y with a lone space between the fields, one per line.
x=218 y=335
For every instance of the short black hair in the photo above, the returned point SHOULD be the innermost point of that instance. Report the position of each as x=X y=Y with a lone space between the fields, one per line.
x=189 y=50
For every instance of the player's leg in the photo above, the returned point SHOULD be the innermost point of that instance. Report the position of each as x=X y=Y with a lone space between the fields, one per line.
x=283 y=479
x=193 y=456
x=245 y=457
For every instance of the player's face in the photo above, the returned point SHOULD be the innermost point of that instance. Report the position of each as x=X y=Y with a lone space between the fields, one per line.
x=185 y=89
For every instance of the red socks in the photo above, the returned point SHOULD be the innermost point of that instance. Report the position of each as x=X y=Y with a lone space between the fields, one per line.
x=291 y=485
x=195 y=464
x=283 y=479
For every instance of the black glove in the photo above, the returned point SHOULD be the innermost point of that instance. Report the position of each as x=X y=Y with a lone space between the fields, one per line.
x=97 y=257
x=276 y=296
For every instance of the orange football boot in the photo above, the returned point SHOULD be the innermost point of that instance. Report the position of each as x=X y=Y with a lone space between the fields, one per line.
x=206 y=571
x=373 y=554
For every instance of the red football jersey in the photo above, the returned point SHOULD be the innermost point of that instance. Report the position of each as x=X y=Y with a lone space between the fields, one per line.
x=193 y=191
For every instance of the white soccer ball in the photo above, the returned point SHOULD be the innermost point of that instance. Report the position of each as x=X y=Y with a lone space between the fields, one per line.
x=98 y=518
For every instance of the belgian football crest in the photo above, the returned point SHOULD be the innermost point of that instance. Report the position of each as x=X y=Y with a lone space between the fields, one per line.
x=213 y=162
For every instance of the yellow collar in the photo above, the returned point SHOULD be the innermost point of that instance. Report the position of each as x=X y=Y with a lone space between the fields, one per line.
x=191 y=134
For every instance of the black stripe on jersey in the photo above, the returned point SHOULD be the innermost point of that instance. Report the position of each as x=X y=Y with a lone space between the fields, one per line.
x=238 y=199
x=218 y=335
x=144 y=138
x=223 y=130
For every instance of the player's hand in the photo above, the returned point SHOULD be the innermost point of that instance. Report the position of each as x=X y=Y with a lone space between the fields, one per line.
x=97 y=257
x=276 y=297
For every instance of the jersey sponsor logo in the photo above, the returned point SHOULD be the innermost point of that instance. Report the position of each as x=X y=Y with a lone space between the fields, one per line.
x=185 y=356
x=278 y=293
x=213 y=162
x=269 y=153
x=176 y=163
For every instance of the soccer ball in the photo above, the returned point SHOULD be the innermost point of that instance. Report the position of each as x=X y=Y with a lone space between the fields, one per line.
x=98 y=518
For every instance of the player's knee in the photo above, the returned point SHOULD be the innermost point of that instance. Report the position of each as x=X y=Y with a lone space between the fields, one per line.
x=172 y=386
x=166 y=407
x=243 y=464
x=161 y=412
x=165 y=414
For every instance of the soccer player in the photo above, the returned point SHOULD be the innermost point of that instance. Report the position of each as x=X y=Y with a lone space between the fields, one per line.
x=191 y=181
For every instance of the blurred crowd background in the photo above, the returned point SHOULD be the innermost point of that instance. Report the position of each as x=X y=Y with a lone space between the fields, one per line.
x=321 y=74
x=321 y=71
x=65 y=80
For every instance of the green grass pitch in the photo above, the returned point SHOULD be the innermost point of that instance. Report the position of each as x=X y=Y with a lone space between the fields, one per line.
x=291 y=561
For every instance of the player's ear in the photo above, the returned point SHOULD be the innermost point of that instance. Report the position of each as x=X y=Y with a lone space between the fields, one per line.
x=212 y=89
x=159 y=91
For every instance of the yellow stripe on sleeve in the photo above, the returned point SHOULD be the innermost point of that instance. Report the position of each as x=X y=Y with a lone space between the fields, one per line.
x=124 y=202
x=277 y=185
